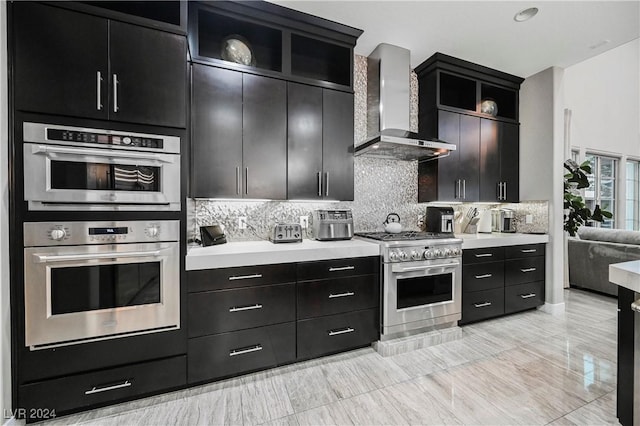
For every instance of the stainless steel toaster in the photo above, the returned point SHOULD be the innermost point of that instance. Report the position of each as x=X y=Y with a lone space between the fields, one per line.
x=286 y=233
x=331 y=225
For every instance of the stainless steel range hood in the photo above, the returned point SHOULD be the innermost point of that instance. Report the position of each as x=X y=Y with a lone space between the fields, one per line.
x=388 y=85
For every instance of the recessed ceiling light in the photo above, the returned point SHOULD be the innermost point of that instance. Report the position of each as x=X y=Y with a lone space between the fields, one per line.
x=525 y=14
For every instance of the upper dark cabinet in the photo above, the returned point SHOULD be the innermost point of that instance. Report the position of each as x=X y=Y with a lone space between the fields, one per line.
x=73 y=64
x=284 y=43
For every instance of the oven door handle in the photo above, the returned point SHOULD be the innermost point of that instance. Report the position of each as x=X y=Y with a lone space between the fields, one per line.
x=45 y=258
x=437 y=268
x=62 y=152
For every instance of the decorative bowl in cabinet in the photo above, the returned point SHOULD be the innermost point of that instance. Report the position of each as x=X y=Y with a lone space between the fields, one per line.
x=236 y=48
x=489 y=106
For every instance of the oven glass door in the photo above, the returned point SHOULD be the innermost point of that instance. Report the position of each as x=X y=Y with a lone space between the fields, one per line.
x=424 y=290
x=87 y=178
x=80 y=293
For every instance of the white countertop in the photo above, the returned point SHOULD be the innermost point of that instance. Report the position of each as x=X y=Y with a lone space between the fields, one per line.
x=500 y=239
x=243 y=253
x=626 y=274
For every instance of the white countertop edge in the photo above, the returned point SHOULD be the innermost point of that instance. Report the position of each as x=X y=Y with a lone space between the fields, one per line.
x=475 y=241
x=626 y=274
x=248 y=253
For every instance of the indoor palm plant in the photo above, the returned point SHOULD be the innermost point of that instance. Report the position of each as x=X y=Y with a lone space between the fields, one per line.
x=576 y=213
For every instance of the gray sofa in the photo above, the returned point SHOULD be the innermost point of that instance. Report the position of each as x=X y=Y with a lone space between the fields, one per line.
x=593 y=250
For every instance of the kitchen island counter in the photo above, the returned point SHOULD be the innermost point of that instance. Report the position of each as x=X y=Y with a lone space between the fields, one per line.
x=495 y=239
x=246 y=253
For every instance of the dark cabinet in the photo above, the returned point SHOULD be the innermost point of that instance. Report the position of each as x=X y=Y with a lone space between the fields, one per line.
x=238 y=125
x=499 y=161
x=320 y=143
x=69 y=63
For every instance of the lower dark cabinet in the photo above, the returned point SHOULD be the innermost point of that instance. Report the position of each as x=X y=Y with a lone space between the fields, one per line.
x=335 y=333
x=82 y=391
x=525 y=270
x=482 y=304
x=227 y=354
x=328 y=297
x=523 y=296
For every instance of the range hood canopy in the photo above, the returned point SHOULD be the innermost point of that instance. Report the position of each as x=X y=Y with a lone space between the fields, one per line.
x=388 y=85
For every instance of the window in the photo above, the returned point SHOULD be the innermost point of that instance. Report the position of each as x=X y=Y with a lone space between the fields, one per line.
x=632 y=221
x=602 y=187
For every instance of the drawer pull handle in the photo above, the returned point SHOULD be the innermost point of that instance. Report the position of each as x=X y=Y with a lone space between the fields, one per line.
x=245 y=308
x=342 y=331
x=528 y=296
x=245 y=277
x=484 y=255
x=529 y=251
x=479 y=277
x=348 y=293
x=243 y=351
x=528 y=270
x=126 y=384
x=342 y=268
x=482 y=305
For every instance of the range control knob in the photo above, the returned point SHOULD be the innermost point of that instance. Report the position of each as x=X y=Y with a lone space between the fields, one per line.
x=429 y=254
x=438 y=253
x=457 y=251
x=416 y=255
x=58 y=234
x=153 y=231
x=447 y=252
x=403 y=256
x=126 y=140
x=393 y=256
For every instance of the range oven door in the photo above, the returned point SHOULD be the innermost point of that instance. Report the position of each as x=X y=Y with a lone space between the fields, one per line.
x=75 y=294
x=81 y=178
x=420 y=295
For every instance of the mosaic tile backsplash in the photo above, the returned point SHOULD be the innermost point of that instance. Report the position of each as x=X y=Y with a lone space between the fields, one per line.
x=380 y=187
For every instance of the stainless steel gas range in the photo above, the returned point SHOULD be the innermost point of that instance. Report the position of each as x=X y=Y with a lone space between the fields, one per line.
x=421 y=281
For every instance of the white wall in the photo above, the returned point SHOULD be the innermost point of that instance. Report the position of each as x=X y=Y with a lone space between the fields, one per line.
x=541 y=159
x=5 y=323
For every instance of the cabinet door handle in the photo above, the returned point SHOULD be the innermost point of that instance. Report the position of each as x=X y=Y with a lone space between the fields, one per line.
x=482 y=305
x=115 y=93
x=244 y=277
x=529 y=251
x=528 y=270
x=478 y=277
x=246 y=180
x=484 y=255
x=504 y=185
x=245 y=308
x=126 y=384
x=99 y=90
x=341 y=331
x=528 y=296
x=319 y=184
x=326 y=184
x=346 y=294
x=499 y=190
x=237 y=180
x=464 y=189
x=242 y=351
x=342 y=268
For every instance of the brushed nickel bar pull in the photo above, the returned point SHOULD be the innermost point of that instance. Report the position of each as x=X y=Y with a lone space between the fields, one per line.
x=326 y=185
x=484 y=276
x=499 y=191
x=246 y=180
x=348 y=293
x=529 y=251
x=319 y=184
x=482 y=305
x=342 y=268
x=245 y=308
x=464 y=189
x=244 y=277
x=484 y=255
x=126 y=384
x=456 y=189
x=504 y=185
x=528 y=270
x=255 y=348
x=43 y=258
x=237 y=180
x=343 y=331
x=99 y=90
x=115 y=93
x=528 y=296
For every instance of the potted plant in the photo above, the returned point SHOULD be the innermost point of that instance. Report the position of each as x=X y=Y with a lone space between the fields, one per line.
x=576 y=213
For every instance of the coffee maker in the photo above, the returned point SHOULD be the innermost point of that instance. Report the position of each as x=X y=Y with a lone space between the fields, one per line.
x=503 y=220
x=439 y=219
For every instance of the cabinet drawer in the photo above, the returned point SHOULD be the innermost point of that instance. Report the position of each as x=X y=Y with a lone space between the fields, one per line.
x=482 y=304
x=220 y=311
x=482 y=276
x=489 y=254
x=226 y=354
x=72 y=393
x=328 y=297
x=527 y=270
x=245 y=276
x=529 y=250
x=335 y=333
x=338 y=268
x=523 y=296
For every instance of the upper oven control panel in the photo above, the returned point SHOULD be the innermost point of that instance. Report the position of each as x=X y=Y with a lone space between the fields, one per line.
x=103 y=138
x=43 y=234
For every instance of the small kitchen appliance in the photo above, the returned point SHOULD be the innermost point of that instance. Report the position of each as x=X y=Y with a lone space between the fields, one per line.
x=392 y=223
x=329 y=225
x=503 y=220
x=484 y=223
x=212 y=235
x=286 y=233
x=439 y=219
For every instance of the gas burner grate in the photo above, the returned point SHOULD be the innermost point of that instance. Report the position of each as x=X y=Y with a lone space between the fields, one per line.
x=404 y=236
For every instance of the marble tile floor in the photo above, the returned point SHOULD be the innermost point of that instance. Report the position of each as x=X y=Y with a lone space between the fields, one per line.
x=530 y=368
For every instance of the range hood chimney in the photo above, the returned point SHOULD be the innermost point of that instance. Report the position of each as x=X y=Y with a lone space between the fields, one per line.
x=388 y=135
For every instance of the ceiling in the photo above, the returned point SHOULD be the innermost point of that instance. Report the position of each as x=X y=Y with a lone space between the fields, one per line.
x=563 y=33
